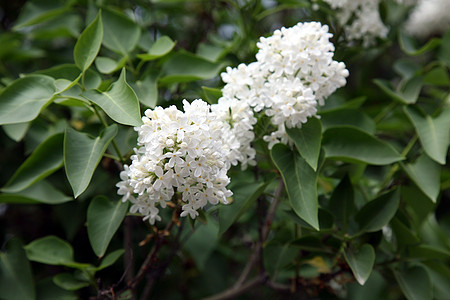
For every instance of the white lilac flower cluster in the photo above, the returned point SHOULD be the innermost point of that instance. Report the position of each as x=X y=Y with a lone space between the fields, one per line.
x=429 y=17
x=178 y=152
x=360 y=19
x=294 y=72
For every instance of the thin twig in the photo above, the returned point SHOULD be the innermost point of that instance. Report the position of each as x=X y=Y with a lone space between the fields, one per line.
x=236 y=291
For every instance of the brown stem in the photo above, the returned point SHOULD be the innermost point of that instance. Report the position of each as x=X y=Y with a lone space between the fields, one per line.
x=236 y=291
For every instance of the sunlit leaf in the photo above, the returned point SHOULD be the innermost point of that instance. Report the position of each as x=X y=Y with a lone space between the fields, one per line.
x=88 y=44
x=107 y=65
x=120 y=102
x=50 y=250
x=23 y=100
x=121 y=34
x=40 y=192
x=161 y=47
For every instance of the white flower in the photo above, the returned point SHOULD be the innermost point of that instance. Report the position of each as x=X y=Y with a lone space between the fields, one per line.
x=293 y=73
x=179 y=152
x=429 y=17
x=360 y=19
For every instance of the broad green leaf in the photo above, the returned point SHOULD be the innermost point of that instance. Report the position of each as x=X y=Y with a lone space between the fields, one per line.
x=407 y=93
x=40 y=192
x=419 y=206
x=212 y=95
x=433 y=132
x=361 y=262
x=307 y=140
x=425 y=173
x=68 y=282
x=404 y=235
x=342 y=202
x=110 y=259
x=47 y=290
x=23 y=100
x=378 y=212
x=71 y=72
x=16 y=131
x=50 y=250
x=38 y=11
x=45 y=159
x=103 y=219
x=415 y=283
x=440 y=276
x=16 y=279
x=444 y=51
x=88 y=44
x=107 y=65
x=147 y=90
x=202 y=242
x=347 y=116
x=426 y=252
x=354 y=145
x=185 y=67
x=82 y=155
x=120 y=34
x=300 y=180
x=161 y=47
x=409 y=46
x=437 y=76
x=278 y=256
x=243 y=195
x=210 y=52
x=120 y=102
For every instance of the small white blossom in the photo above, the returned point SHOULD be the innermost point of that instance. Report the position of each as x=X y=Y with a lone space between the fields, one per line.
x=179 y=152
x=429 y=17
x=293 y=73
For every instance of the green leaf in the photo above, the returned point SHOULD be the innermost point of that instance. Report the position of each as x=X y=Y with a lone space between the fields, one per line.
x=202 y=242
x=110 y=259
x=301 y=183
x=147 y=90
x=16 y=131
x=103 y=219
x=68 y=282
x=244 y=194
x=440 y=276
x=16 y=279
x=408 y=92
x=50 y=250
x=408 y=45
x=39 y=11
x=71 y=72
x=120 y=102
x=433 y=133
x=425 y=173
x=361 y=262
x=307 y=140
x=404 y=235
x=23 y=100
x=185 y=67
x=82 y=155
x=378 y=212
x=354 y=145
x=40 y=192
x=45 y=159
x=347 y=116
x=107 y=65
x=342 y=202
x=121 y=34
x=415 y=283
x=88 y=44
x=278 y=256
x=47 y=290
x=212 y=95
x=161 y=47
